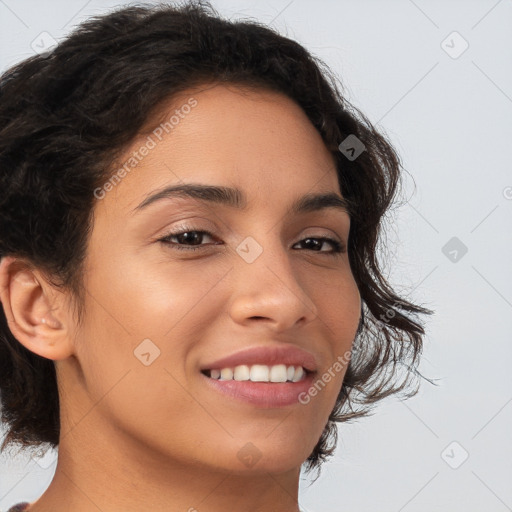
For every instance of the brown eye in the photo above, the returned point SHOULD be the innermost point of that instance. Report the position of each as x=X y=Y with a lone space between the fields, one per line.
x=186 y=239
x=316 y=244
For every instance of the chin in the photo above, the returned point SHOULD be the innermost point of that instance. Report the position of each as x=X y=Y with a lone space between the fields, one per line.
x=262 y=456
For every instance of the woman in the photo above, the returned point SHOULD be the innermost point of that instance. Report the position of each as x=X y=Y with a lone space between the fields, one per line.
x=191 y=292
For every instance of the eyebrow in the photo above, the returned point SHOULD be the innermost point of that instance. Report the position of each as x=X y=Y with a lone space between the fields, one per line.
x=235 y=198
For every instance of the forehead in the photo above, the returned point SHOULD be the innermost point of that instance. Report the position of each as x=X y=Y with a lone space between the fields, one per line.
x=257 y=140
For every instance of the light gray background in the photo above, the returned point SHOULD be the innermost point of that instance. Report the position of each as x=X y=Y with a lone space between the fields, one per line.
x=449 y=118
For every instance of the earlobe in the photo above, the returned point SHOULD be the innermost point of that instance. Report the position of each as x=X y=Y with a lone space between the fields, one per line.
x=29 y=302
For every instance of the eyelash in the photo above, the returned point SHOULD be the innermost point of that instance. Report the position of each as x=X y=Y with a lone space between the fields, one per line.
x=339 y=247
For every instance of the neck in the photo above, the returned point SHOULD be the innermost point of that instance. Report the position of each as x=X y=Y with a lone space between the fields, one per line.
x=112 y=474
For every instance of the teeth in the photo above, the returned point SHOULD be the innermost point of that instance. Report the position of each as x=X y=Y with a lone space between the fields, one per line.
x=299 y=372
x=259 y=373
x=278 y=373
x=242 y=372
x=226 y=374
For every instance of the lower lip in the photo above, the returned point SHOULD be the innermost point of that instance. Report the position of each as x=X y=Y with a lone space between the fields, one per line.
x=262 y=394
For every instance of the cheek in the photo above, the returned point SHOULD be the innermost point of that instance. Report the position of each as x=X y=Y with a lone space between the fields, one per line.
x=143 y=320
x=339 y=309
x=159 y=295
x=134 y=374
x=338 y=302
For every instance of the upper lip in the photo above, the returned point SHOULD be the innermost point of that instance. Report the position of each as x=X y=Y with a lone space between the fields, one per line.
x=268 y=355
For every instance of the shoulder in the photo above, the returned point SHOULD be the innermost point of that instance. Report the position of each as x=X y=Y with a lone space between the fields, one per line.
x=20 y=507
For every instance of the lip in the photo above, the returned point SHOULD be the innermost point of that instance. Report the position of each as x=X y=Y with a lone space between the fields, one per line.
x=269 y=355
x=266 y=395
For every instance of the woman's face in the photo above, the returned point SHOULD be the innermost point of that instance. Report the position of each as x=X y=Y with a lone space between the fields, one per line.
x=157 y=315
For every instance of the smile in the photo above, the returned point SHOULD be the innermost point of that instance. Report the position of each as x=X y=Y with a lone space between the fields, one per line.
x=263 y=394
x=258 y=373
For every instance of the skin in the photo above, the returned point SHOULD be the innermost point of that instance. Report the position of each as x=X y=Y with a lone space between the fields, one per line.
x=136 y=437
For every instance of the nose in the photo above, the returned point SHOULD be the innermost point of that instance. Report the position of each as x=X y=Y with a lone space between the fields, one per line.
x=268 y=290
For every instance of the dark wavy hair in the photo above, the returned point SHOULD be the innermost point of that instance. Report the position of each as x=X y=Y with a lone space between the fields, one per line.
x=66 y=116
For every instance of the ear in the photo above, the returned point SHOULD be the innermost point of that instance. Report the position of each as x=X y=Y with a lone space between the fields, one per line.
x=36 y=311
